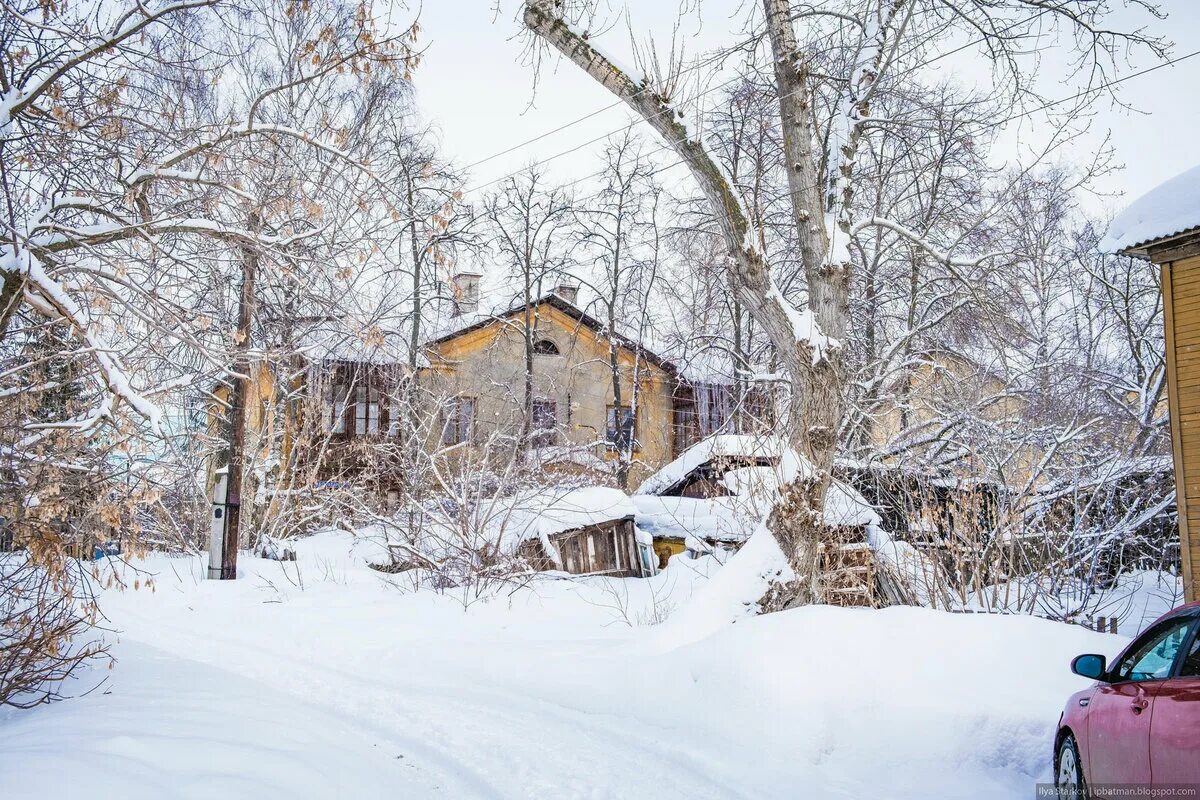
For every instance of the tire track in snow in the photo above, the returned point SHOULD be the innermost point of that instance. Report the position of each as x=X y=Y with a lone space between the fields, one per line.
x=457 y=743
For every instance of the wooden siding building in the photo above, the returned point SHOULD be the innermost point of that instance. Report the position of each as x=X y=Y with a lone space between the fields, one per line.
x=1163 y=227
x=604 y=548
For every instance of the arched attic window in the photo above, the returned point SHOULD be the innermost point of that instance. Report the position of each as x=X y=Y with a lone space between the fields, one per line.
x=545 y=347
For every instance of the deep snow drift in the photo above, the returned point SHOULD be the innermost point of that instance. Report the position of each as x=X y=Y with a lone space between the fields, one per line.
x=322 y=678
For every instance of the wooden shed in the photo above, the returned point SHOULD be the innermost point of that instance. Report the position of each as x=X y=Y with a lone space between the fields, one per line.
x=605 y=548
x=588 y=531
x=1163 y=227
x=715 y=494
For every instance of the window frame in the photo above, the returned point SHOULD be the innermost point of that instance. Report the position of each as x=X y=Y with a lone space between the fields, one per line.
x=544 y=341
x=617 y=444
x=366 y=399
x=453 y=420
x=1188 y=623
x=543 y=437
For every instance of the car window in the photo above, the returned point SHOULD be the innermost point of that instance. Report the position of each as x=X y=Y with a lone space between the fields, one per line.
x=1191 y=661
x=1152 y=658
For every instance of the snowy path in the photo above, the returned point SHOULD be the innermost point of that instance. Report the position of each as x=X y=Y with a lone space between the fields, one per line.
x=353 y=688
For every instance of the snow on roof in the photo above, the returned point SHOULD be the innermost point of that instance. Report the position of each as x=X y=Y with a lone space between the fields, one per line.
x=725 y=446
x=711 y=365
x=580 y=508
x=546 y=513
x=1167 y=210
x=756 y=488
x=348 y=340
x=717 y=519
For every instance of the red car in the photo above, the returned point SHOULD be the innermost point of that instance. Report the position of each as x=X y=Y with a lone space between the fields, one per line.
x=1139 y=724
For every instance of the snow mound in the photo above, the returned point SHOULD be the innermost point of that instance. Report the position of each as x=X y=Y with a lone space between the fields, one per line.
x=732 y=593
x=166 y=726
x=1172 y=207
x=344 y=684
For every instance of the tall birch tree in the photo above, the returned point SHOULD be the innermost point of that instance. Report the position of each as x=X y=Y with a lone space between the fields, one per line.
x=875 y=42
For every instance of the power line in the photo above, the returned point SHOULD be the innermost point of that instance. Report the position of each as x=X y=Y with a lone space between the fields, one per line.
x=997 y=123
x=717 y=56
x=638 y=120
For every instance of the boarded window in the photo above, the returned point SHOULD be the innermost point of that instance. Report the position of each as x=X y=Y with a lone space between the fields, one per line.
x=458 y=420
x=544 y=431
x=621 y=430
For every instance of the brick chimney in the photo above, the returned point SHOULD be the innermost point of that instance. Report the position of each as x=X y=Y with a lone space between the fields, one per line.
x=568 y=291
x=465 y=288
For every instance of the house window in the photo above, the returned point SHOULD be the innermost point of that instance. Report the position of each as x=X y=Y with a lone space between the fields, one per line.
x=715 y=407
x=545 y=347
x=458 y=418
x=340 y=402
x=366 y=410
x=621 y=430
x=544 y=431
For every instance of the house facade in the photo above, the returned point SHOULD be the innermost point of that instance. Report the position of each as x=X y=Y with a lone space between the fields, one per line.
x=471 y=395
x=477 y=373
x=1163 y=227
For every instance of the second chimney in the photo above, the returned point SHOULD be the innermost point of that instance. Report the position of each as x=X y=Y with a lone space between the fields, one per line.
x=465 y=286
x=568 y=291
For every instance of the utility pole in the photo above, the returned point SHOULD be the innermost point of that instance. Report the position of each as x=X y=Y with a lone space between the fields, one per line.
x=238 y=411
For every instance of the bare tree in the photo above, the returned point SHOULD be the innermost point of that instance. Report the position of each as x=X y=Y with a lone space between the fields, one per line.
x=875 y=40
x=132 y=194
x=613 y=229
x=528 y=220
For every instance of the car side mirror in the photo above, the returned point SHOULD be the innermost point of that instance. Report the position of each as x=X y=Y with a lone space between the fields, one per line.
x=1090 y=665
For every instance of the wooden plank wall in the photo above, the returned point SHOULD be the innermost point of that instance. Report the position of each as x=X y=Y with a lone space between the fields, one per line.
x=1181 y=315
x=608 y=548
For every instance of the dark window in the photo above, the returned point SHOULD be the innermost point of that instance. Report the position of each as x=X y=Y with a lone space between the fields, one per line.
x=366 y=409
x=458 y=419
x=544 y=431
x=545 y=347
x=1191 y=662
x=339 y=402
x=1154 y=655
x=686 y=427
x=621 y=430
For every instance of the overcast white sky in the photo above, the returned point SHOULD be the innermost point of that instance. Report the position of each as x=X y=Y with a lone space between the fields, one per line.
x=475 y=87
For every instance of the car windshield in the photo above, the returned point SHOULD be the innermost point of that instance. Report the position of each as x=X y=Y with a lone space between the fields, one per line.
x=1153 y=658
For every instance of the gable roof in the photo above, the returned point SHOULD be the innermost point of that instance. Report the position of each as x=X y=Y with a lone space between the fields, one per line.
x=1169 y=210
x=566 y=307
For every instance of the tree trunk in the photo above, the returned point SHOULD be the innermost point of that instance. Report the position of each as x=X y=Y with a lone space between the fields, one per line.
x=239 y=406
x=808 y=347
x=527 y=423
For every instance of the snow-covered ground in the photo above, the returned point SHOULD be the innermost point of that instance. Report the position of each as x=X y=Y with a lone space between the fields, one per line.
x=322 y=678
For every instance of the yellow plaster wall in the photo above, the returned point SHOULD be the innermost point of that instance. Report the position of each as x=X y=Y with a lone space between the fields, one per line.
x=489 y=365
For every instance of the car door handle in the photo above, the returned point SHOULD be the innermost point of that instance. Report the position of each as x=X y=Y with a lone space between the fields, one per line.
x=1138 y=705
